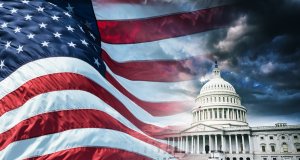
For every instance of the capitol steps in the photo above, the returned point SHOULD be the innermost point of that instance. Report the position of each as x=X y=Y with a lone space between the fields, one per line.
x=195 y=157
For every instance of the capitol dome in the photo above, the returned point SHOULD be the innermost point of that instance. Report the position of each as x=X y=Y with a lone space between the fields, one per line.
x=219 y=104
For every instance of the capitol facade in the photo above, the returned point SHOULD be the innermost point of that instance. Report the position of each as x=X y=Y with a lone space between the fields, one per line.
x=219 y=130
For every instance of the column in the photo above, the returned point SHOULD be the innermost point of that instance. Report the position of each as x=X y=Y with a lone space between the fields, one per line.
x=228 y=115
x=186 y=144
x=198 y=144
x=192 y=145
x=230 y=148
x=236 y=144
x=173 y=144
x=216 y=142
x=168 y=141
x=243 y=143
x=180 y=143
x=250 y=143
x=223 y=144
x=203 y=141
x=209 y=142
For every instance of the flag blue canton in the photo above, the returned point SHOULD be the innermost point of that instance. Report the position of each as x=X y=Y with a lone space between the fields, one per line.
x=31 y=30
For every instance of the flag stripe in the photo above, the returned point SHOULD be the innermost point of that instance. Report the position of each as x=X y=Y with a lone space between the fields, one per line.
x=137 y=9
x=65 y=120
x=75 y=138
x=76 y=100
x=177 y=48
x=155 y=108
x=157 y=28
x=40 y=68
x=91 y=153
x=157 y=71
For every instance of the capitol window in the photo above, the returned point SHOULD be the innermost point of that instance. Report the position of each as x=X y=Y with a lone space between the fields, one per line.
x=272 y=147
x=271 y=137
x=261 y=138
x=282 y=137
x=284 y=147
x=263 y=147
x=295 y=137
x=297 y=146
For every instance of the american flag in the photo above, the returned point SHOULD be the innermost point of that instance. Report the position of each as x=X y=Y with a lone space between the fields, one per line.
x=65 y=97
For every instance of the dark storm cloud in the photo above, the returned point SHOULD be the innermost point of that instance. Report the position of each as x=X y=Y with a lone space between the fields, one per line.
x=262 y=48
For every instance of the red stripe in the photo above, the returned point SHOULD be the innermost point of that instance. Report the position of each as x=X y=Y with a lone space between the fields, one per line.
x=155 y=108
x=69 y=81
x=157 y=70
x=91 y=153
x=54 y=122
x=157 y=28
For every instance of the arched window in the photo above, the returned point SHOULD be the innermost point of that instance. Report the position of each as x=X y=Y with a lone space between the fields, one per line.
x=284 y=147
x=248 y=158
x=223 y=99
x=272 y=146
x=241 y=158
x=263 y=147
x=219 y=99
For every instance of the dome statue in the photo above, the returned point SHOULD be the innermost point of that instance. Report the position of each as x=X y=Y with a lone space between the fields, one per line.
x=218 y=104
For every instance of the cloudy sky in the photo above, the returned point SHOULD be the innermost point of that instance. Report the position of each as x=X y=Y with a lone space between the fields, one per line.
x=259 y=54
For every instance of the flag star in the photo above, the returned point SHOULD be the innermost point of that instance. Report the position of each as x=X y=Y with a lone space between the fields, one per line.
x=30 y=36
x=84 y=42
x=28 y=17
x=71 y=44
x=43 y=25
x=7 y=45
x=70 y=8
x=20 y=49
x=25 y=1
x=67 y=14
x=81 y=28
x=56 y=34
x=45 y=44
x=17 y=30
x=55 y=18
x=92 y=36
x=40 y=9
x=2 y=64
x=70 y=28
x=96 y=61
x=13 y=10
x=4 y=25
x=1 y=5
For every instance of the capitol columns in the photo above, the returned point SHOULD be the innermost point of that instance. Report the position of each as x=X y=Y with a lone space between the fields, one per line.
x=203 y=144
x=243 y=143
x=198 y=144
x=223 y=144
x=236 y=144
x=216 y=142
x=209 y=142
x=250 y=144
x=230 y=148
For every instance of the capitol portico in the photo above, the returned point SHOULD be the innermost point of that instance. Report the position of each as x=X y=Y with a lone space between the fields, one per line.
x=219 y=125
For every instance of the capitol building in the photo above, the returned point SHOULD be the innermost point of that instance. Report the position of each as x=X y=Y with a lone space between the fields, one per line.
x=220 y=131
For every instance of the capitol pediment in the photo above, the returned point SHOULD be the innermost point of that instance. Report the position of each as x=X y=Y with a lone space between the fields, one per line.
x=202 y=128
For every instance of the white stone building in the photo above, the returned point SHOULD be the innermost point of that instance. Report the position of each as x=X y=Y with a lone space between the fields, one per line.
x=220 y=125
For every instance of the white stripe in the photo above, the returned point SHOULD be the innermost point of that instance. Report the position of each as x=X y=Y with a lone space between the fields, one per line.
x=59 y=101
x=88 y=137
x=113 y=11
x=47 y=66
x=157 y=91
x=177 y=48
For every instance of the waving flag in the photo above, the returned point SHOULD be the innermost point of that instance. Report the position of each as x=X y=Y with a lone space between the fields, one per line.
x=66 y=95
